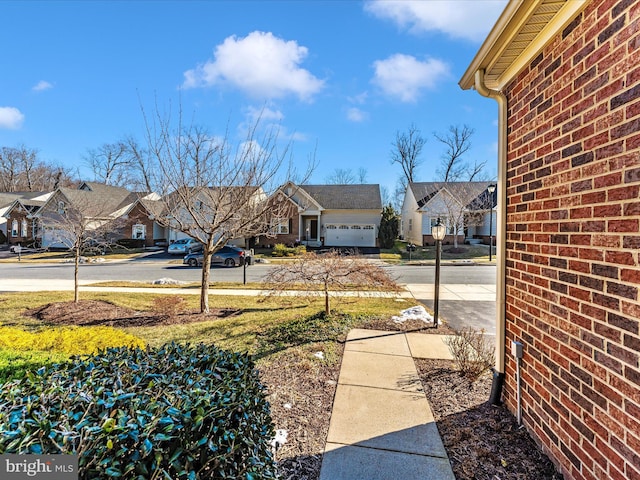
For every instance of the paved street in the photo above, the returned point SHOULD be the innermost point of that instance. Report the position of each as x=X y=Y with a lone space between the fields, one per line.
x=467 y=295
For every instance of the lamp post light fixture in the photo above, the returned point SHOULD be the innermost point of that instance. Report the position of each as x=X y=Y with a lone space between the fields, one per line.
x=491 y=189
x=438 y=231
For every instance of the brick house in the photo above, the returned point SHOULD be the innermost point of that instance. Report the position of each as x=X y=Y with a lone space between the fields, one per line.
x=21 y=225
x=104 y=212
x=566 y=77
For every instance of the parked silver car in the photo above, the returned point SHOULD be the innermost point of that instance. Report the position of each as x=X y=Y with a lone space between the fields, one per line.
x=229 y=256
x=184 y=246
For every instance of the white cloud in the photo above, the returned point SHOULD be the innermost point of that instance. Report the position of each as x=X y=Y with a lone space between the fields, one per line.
x=41 y=86
x=359 y=99
x=259 y=64
x=356 y=115
x=264 y=114
x=468 y=19
x=11 y=118
x=404 y=77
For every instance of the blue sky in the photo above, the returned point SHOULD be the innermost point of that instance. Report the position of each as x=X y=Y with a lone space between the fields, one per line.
x=341 y=77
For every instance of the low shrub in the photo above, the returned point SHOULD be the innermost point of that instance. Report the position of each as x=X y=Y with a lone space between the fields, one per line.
x=169 y=305
x=131 y=243
x=301 y=331
x=472 y=354
x=70 y=340
x=281 y=250
x=178 y=412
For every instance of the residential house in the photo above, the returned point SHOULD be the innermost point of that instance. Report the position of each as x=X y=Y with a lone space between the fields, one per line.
x=20 y=226
x=92 y=206
x=464 y=207
x=141 y=222
x=228 y=214
x=328 y=216
x=566 y=79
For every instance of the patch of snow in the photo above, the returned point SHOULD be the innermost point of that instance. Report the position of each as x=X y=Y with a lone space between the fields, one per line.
x=319 y=355
x=167 y=281
x=413 y=313
x=279 y=439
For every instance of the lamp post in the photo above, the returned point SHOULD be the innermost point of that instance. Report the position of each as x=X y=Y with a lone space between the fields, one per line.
x=491 y=189
x=438 y=232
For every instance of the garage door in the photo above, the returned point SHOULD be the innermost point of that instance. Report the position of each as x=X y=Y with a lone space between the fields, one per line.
x=350 y=236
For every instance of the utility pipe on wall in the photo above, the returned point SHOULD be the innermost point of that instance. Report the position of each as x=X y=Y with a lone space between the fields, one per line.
x=482 y=89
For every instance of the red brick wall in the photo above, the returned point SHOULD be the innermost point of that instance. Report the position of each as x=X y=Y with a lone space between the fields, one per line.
x=573 y=237
x=138 y=215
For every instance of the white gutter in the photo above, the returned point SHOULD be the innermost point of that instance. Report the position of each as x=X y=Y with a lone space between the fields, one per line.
x=501 y=217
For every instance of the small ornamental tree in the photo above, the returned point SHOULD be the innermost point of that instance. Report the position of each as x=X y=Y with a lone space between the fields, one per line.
x=330 y=272
x=389 y=226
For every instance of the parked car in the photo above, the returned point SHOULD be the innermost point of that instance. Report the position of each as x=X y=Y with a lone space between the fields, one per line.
x=229 y=256
x=184 y=246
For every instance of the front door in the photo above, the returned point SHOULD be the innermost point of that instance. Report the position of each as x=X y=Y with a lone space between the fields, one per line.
x=313 y=229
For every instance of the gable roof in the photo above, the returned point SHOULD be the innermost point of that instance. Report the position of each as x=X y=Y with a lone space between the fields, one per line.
x=472 y=195
x=95 y=200
x=346 y=197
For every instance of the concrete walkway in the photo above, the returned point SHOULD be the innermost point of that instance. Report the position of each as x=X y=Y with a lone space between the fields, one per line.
x=382 y=426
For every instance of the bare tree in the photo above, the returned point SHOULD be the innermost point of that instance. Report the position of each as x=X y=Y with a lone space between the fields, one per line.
x=345 y=176
x=406 y=152
x=341 y=176
x=331 y=272
x=21 y=170
x=77 y=220
x=212 y=190
x=453 y=167
x=111 y=164
x=363 y=175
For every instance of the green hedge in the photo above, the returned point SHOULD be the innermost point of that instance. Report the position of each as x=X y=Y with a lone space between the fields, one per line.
x=175 y=412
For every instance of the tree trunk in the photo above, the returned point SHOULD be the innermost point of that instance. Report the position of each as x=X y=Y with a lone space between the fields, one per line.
x=76 y=275
x=204 y=287
x=327 y=306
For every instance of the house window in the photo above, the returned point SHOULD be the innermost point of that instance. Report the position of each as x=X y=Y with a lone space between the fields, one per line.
x=355 y=227
x=197 y=205
x=139 y=232
x=344 y=227
x=24 y=228
x=61 y=207
x=368 y=227
x=280 y=226
x=410 y=224
x=14 y=228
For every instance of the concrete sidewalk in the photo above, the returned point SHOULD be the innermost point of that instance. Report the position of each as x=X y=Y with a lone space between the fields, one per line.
x=381 y=425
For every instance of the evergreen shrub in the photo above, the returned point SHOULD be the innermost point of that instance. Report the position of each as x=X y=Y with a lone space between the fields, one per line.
x=173 y=412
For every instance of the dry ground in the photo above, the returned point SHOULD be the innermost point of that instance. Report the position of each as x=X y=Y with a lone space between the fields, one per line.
x=482 y=441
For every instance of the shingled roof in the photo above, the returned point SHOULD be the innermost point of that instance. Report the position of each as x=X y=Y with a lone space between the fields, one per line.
x=346 y=197
x=467 y=193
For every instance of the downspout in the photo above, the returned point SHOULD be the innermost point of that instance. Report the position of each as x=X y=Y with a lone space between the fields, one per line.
x=501 y=215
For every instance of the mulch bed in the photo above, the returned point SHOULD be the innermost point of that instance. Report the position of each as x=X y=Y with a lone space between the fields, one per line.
x=482 y=441
x=100 y=313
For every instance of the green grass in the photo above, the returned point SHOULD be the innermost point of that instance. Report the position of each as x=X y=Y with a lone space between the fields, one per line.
x=44 y=257
x=264 y=326
x=466 y=252
x=14 y=364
